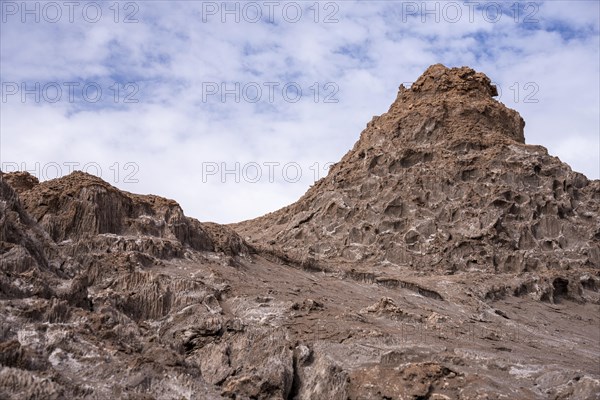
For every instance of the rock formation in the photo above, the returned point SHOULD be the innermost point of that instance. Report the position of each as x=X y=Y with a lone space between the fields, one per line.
x=441 y=258
x=442 y=182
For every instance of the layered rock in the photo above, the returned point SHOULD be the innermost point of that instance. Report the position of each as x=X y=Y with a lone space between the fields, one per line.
x=78 y=254
x=82 y=206
x=26 y=250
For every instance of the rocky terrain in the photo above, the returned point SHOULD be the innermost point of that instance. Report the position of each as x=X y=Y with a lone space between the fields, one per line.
x=441 y=258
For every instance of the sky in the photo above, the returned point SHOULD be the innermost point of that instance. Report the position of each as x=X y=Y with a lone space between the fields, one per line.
x=234 y=108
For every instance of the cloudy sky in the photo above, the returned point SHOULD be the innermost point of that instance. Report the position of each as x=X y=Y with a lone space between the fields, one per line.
x=235 y=108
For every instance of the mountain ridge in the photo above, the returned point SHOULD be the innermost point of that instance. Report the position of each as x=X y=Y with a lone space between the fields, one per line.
x=441 y=258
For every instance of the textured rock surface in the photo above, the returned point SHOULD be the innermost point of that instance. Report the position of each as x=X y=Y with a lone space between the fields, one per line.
x=442 y=182
x=441 y=258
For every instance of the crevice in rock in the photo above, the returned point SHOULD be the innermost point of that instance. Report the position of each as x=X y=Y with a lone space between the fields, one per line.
x=561 y=289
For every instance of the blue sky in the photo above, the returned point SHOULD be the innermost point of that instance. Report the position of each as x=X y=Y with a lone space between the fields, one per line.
x=234 y=108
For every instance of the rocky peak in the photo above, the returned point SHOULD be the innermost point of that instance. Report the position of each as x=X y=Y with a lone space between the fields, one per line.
x=442 y=180
x=447 y=107
x=439 y=80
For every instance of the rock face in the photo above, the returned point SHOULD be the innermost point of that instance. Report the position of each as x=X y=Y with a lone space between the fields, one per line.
x=441 y=258
x=443 y=182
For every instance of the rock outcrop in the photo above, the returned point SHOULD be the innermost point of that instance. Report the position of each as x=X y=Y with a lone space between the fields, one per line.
x=31 y=261
x=441 y=258
x=442 y=182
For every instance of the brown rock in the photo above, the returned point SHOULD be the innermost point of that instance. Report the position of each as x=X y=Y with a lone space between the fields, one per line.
x=441 y=182
x=441 y=258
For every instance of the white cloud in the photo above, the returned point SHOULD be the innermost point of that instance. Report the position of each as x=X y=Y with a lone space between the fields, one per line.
x=175 y=50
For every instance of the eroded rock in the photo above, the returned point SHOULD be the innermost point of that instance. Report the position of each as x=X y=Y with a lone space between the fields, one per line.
x=441 y=258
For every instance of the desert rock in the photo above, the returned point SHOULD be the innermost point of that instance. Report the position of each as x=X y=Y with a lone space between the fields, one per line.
x=441 y=258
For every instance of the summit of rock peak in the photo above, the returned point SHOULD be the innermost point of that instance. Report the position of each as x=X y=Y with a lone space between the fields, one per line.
x=450 y=107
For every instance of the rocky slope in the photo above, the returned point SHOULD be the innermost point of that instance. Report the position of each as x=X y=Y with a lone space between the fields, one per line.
x=442 y=182
x=441 y=258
